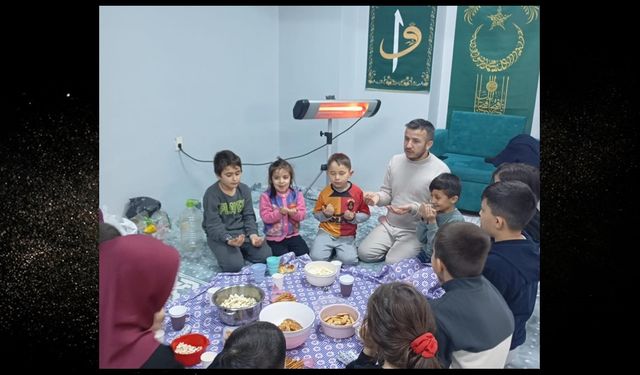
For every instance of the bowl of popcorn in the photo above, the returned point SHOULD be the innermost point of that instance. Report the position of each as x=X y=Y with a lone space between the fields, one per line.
x=320 y=273
x=238 y=304
x=295 y=319
x=188 y=348
x=339 y=320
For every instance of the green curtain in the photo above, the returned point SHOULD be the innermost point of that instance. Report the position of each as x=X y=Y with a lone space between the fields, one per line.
x=400 y=47
x=496 y=60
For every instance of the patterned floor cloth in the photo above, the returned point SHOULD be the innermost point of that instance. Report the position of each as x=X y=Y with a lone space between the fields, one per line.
x=319 y=350
x=199 y=270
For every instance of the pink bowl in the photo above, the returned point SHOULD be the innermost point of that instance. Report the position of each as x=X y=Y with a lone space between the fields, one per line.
x=338 y=332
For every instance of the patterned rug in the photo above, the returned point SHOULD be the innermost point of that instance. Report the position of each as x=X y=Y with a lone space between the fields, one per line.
x=184 y=285
x=199 y=267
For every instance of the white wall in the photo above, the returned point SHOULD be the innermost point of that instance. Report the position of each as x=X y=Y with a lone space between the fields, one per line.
x=208 y=74
x=441 y=66
x=309 y=69
x=228 y=77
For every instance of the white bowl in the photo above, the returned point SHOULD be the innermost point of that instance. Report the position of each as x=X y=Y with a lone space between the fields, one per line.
x=313 y=269
x=301 y=313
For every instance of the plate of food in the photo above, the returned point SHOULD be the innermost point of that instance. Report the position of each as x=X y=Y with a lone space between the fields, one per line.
x=282 y=296
x=292 y=363
x=286 y=268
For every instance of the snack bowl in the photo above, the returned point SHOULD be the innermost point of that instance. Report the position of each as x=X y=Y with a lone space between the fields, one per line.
x=191 y=358
x=320 y=273
x=282 y=296
x=286 y=268
x=339 y=331
x=242 y=315
x=301 y=313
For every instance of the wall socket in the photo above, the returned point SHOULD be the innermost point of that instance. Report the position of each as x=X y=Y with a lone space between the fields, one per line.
x=179 y=143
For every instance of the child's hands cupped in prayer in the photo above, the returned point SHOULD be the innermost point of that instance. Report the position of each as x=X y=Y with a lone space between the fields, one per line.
x=256 y=240
x=236 y=241
x=349 y=215
x=328 y=210
x=427 y=212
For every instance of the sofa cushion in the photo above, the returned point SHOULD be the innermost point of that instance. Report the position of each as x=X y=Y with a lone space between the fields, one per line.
x=469 y=168
x=481 y=134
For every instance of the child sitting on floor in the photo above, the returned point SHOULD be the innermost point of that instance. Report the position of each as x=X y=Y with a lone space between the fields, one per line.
x=445 y=192
x=513 y=264
x=282 y=208
x=340 y=208
x=530 y=175
x=475 y=325
x=229 y=219
x=398 y=330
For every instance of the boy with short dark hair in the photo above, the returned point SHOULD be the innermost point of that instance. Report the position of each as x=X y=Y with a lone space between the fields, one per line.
x=530 y=175
x=474 y=323
x=229 y=219
x=340 y=208
x=445 y=192
x=513 y=264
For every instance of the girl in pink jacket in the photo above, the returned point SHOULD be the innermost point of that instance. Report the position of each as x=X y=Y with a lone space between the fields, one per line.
x=282 y=208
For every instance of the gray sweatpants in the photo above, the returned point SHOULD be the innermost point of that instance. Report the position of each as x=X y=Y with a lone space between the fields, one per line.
x=324 y=244
x=393 y=242
x=231 y=259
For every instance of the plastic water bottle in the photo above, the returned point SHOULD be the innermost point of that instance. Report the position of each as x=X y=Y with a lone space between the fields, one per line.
x=191 y=233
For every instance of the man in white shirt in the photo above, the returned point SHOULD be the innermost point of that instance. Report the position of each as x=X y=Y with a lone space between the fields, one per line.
x=405 y=187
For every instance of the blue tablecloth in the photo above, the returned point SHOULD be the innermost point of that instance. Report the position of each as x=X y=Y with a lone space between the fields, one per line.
x=319 y=349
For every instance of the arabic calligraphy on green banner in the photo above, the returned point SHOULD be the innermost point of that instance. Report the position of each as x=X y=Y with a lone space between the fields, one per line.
x=496 y=60
x=400 y=47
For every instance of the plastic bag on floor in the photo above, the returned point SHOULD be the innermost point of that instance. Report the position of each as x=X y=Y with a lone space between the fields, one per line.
x=144 y=206
x=157 y=225
x=122 y=224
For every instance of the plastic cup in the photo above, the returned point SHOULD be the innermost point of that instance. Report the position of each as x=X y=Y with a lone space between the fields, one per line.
x=178 y=316
x=159 y=335
x=346 y=285
x=278 y=280
x=207 y=358
x=258 y=271
x=273 y=264
x=337 y=263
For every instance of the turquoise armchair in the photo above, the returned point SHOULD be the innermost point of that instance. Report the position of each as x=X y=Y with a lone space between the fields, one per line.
x=463 y=146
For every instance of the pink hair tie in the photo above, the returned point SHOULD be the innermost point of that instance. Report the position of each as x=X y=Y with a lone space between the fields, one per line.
x=425 y=345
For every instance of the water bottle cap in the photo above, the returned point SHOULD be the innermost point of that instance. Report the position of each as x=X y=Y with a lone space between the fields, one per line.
x=192 y=202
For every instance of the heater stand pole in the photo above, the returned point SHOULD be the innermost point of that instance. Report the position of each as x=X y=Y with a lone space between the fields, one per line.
x=323 y=167
x=329 y=135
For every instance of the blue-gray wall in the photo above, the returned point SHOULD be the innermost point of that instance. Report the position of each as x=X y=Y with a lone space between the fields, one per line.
x=208 y=74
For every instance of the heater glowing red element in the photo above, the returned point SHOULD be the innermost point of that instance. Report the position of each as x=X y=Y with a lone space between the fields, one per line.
x=335 y=109
x=340 y=110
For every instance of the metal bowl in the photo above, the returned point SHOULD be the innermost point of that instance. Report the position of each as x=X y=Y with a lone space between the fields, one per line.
x=243 y=315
